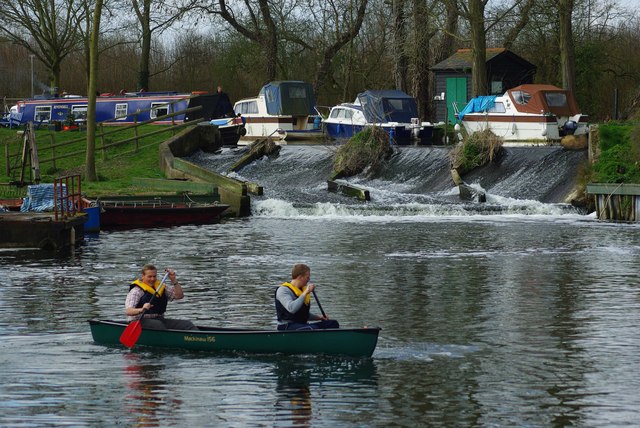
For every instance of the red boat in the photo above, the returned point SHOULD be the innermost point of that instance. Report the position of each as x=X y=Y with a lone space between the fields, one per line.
x=131 y=213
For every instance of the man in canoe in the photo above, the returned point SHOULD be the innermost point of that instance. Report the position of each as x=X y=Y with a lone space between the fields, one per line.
x=142 y=290
x=293 y=303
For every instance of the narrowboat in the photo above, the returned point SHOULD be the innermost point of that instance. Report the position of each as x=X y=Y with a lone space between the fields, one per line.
x=392 y=110
x=526 y=113
x=351 y=342
x=128 y=108
x=283 y=110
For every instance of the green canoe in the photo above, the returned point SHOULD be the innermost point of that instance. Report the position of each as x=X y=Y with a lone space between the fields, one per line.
x=353 y=342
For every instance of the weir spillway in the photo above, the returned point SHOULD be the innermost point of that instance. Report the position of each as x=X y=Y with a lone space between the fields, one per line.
x=414 y=181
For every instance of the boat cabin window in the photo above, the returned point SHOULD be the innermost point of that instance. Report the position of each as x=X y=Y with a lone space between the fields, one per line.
x=556 y=99
x=42 y=114
x=247 y=107
x=496 y=108
x=121 y=111
x=521 y=97
x=79 y=113
x=159 y=109
x=297 y=92
x=342 y=113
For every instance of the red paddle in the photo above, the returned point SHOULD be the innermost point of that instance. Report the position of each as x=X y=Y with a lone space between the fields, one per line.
x=130 y=335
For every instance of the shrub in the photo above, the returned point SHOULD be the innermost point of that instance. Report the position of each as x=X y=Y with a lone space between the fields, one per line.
x=476 y=150
x=368 y=148
x=619 y=159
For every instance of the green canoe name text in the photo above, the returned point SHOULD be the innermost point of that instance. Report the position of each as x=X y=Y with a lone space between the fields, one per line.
x=199 y=339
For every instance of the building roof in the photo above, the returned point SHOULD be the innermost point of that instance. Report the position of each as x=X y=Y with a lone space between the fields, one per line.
x=463 y=59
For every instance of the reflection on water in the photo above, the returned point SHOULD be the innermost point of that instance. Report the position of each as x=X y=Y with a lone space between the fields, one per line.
x=297 y=376
x=147 y=395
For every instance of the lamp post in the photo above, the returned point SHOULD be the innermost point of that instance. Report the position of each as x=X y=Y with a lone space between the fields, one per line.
x=31 y=55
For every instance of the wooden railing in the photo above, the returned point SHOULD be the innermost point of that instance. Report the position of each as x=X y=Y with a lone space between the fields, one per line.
x=15 y=160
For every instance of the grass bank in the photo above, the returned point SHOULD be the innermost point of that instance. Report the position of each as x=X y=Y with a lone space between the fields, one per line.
x=116 y=165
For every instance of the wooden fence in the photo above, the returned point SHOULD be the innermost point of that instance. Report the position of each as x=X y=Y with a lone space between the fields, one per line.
x=15 y=161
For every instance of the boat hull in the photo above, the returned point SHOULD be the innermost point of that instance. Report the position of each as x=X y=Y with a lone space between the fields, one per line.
x=136 y=213
x=359 y=342
x=401 y=134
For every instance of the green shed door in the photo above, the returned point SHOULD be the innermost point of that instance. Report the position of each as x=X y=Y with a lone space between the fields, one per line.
x=456 y=93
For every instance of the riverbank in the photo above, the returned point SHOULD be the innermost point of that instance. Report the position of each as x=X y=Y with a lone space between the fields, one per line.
x=116 y=171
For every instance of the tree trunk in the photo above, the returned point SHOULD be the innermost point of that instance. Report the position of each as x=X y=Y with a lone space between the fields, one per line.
x=567 y=49
x=145 y=54
x=399 y=44
x=90 y=162
x=271 y=40
x=421 y=52
x=478 y=48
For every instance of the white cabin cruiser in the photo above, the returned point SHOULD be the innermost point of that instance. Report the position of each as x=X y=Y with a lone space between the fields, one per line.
x=282 y=110
x=526 y=113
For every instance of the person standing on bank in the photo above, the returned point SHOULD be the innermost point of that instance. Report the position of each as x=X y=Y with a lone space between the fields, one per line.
x=139 y=298
x=293 y=303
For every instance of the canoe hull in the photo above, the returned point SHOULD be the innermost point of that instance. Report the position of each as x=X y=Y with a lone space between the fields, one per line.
x=346 y=342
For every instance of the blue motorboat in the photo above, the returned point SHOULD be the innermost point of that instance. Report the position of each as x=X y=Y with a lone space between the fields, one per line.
x=392 y=110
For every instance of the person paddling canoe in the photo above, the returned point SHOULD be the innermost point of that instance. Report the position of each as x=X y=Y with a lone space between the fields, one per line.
x=142 y=290
x=293 y=303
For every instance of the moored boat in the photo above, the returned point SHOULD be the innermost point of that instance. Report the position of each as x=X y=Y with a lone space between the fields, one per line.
x=160 y=211
x=393 y=111
x=526 y=113
x=134 y=107
x=283 y=110
x=358 y=342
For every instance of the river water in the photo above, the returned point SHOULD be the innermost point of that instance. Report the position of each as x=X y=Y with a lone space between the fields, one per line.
x=508 y=316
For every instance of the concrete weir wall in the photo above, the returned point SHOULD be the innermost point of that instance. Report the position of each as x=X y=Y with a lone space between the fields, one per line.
x=232 y=192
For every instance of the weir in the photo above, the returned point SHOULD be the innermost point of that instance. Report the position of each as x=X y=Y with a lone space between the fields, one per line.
x=414 y=181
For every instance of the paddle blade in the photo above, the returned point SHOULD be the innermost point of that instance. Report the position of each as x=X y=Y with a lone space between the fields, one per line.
x=130 y=335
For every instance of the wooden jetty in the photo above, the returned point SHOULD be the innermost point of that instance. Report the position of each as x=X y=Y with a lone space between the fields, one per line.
x=59 y=229
x=616 y=201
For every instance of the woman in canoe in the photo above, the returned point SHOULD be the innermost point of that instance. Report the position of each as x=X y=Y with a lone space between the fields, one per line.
x=142 y=290
x=293 y=303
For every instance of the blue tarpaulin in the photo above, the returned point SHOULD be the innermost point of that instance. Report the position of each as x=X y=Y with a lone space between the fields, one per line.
x=40 y=198
x=478 y=105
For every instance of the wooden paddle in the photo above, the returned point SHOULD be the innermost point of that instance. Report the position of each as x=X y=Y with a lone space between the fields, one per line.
x=130 y=335
x=318 y=302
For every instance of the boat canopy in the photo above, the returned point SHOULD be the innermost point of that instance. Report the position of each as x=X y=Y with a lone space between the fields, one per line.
x=543 y=99
x=478 y=105
x=289 y=97
x=387 y=106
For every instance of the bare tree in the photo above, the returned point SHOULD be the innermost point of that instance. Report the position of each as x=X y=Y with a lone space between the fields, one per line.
x=154 y=16
x=567 y=47
x=255 y=21
x=399 y=44
x=90 y=161
x=340 y=22
x=46 y=28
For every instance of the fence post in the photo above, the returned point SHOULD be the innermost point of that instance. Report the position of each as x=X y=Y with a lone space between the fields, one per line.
x=104 y=149
x=6 y=156
x=53 y=150
x=135 y=130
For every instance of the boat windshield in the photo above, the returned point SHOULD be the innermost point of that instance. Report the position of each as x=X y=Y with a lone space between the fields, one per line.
x=521 y=97
x=556 y=99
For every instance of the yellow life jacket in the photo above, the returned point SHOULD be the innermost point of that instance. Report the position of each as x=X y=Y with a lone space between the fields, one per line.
x=148 y=288
x=297 y=292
